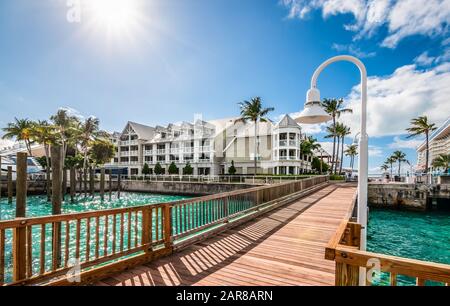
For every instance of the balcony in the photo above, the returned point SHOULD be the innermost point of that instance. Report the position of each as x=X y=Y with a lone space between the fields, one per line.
x=134 y=153
x=148 y=152
x=174 y=151
x=161 y=151
x=188 y=150
x=290 y=143
x=204 y=149
x=129 y=142
x=124 y=153
x=287 y=158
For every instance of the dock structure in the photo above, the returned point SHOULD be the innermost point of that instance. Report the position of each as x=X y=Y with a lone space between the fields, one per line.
x=283 y=247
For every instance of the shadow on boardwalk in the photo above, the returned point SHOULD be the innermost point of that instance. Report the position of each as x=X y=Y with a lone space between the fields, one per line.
x=282 y=247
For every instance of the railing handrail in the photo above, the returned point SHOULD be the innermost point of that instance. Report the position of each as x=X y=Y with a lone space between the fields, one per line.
x=343 y=248
x=425 y=270
x=18 y=222
x=130 y=233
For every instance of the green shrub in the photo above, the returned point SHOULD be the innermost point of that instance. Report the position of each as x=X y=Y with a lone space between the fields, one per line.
x=336 y=177
x=232 y=169
x=173 y=168
x=188 y=170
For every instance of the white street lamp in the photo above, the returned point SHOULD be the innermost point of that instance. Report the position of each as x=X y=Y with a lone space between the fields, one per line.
x=314 y=113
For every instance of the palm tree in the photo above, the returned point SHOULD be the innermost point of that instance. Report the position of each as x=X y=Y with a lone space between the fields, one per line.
x=344 y=131
x=331 y=133
x=253 y=111
x=399 y=157
x=68 y=129
x=20 y=130
x=352 y=151
x=89 y=130
x=308 y=146
x=334 y=107
x=390 y=161
x=44 y=133
x=384 y=167
x=442 y=161
x=420 y=126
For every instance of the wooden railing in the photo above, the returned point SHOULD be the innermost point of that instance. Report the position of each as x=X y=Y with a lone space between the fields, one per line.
x=343 y=248
x=55 y=248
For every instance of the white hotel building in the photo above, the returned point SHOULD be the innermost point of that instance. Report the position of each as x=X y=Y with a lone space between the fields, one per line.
x=211 y=146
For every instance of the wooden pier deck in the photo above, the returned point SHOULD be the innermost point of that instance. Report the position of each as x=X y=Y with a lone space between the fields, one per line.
x=283 y=247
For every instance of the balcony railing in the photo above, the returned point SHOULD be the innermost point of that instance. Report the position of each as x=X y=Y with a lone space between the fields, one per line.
x=188 y=150
x=129 y=143
x=287 y=158
x=148 y=152
x=161 y=151
x=290 y=143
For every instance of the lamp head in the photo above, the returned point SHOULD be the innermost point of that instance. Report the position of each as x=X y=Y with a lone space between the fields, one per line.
x=313 y=112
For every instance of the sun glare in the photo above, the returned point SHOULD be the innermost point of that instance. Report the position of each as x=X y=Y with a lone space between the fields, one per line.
x=115 y=16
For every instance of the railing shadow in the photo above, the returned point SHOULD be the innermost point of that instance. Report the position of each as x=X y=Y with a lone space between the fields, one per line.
x=205 y=258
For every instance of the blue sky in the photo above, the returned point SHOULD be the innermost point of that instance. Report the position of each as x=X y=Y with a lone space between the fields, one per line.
x=177 y=58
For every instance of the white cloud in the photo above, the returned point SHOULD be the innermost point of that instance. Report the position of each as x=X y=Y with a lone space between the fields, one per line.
x=352 y=49
x=424 y=59
x=395 y=99
x=405 y=144
x=375 y=151
x=402 y=18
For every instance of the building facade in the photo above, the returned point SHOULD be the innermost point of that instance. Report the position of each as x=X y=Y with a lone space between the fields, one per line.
x=211 y=147
x=439 y=143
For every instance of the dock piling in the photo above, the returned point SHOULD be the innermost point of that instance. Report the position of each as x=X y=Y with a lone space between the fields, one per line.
x=102 y=183
x=10 y=185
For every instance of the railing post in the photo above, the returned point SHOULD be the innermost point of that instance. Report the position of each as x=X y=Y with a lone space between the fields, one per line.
x=102 y=183
x=57 y=173
x=10 y=185
x=167 y=226
x=346 y=275
x=146 y=228
x=225 y=208
x=20 y=233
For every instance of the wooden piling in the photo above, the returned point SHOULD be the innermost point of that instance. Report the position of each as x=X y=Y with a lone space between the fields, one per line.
x=91 y=181
x=118 y=185
x=102 y=183
x=57 y=173
x=21 y=184
x=85 y=182
x=10 y=185
x=80 y=179
x=64 y=183
x=73 y=184
x=48 y=183
x=110 y=184
x=1 y=179
x=20 y=233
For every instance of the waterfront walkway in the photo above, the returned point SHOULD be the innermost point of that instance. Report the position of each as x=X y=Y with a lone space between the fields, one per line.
x=283 y=247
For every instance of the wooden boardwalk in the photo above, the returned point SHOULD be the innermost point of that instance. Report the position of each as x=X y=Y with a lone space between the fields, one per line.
x=283 y=247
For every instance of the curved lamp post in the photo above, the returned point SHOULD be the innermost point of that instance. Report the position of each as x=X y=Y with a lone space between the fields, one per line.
x=314 y=113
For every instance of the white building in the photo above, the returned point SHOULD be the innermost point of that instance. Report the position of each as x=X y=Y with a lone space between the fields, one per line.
x=211 y=146
x=439 y=143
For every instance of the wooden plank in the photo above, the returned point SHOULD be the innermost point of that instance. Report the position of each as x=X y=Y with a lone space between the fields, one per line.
x=2 y=256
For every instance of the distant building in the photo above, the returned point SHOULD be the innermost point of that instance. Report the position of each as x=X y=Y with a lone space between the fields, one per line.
x=439 y=143
x=211 y=147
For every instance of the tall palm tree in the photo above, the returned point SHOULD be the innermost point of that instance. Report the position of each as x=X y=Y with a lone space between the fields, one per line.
x=44 y=133
x=384 y=167
x=390 y=161
x=344 y=131
x=68 y=128
x=352 y=151
x=442 y=161
x=308 y=146
x=420 y=126
x=20 y=130
x=89 y=131
x=399 y=157
x=253 y=111
x=334 y=107
x=331 y=133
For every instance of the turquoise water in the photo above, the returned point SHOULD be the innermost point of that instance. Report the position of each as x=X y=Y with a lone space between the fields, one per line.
x=416 y=235
x=38 y=205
